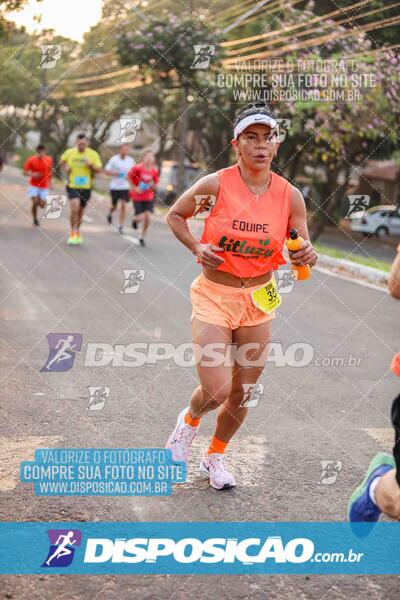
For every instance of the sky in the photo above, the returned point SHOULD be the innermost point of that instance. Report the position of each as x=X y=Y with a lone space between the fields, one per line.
x=70 y=18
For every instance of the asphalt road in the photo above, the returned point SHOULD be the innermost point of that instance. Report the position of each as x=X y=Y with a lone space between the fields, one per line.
x=307 y=414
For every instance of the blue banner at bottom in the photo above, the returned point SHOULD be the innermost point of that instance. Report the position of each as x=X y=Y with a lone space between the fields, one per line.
x=199 y=548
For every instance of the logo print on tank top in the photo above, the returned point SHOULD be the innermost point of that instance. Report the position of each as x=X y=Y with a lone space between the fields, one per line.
x=246 y=249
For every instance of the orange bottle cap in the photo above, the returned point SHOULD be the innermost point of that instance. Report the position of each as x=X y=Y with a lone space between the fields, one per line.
x=395 y=366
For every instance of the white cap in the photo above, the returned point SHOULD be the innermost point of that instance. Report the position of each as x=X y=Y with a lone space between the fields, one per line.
x=257 y=118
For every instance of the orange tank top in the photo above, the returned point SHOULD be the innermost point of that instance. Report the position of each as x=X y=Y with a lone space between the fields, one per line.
x=251 y=229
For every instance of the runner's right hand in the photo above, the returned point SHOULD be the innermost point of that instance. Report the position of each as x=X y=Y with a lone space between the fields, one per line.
x=205 y=254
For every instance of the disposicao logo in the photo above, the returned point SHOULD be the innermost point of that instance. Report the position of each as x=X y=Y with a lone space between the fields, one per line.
x=62 y=349
x=62 y=547
x=191 y=550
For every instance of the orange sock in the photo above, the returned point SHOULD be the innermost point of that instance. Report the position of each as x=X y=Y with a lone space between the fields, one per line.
x=191 y=421
x=217 y=445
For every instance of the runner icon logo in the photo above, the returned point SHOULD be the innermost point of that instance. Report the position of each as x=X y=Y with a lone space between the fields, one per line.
x=128 y=128
x=62 y=349
x=202 y=56
x=357 y=204
x=251 y=394
x=97 y=397
x=54 y=206
x=330 y=469
x=133 y=279
x=204 y=203
x=283 y=128
x=285 y=280
x=51 y=54
x=62 y=547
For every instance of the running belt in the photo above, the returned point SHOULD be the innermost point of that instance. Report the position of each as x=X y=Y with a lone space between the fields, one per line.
x=396 y=425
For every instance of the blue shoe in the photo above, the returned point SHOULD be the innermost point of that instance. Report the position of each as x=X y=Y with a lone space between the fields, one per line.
x=361 y=508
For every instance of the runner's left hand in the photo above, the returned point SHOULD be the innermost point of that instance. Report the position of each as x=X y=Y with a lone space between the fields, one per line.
x=305 y=256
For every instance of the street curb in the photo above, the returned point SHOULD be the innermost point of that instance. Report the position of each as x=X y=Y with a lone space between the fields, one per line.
x=358 y=270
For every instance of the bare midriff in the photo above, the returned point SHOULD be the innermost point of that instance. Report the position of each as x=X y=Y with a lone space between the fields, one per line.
x=225 y=278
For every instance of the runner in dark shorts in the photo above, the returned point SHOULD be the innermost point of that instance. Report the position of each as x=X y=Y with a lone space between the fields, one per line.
x=81 y=164
x=118 y=168
x=82 y=195
x=143 y=178
x=141 y=207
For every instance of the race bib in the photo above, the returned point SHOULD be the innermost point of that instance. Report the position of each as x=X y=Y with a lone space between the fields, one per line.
x=81 y=180
x=267 y=298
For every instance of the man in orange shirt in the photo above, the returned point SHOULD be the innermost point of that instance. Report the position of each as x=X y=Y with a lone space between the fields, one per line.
x=39 y=168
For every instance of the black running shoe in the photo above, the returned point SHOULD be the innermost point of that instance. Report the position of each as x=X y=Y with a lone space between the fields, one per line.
x=109 y=218
x=134 y=224
x=142 y=242
x=36 y=222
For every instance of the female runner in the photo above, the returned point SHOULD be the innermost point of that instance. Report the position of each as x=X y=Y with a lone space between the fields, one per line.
x=241 y=246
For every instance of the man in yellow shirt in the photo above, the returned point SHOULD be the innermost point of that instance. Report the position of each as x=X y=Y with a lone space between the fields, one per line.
x=81 y=164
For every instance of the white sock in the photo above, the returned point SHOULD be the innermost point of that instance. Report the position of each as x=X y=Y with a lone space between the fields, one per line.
x=372 y=488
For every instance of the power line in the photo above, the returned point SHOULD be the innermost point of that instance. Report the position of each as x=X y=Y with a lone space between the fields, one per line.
x=138 y=84
x=279 y=66
x=253 y=38
x=125 y=85
x=117 y=73
x=323 y=25
x=318 y=40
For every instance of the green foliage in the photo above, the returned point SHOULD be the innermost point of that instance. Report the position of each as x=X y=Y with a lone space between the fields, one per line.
x=166 y=46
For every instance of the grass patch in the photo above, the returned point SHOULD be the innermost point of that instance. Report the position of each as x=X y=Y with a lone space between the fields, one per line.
x=369 y=262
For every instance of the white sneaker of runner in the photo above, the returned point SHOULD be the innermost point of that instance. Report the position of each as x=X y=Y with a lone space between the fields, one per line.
x=214 y=468
x=181 y=438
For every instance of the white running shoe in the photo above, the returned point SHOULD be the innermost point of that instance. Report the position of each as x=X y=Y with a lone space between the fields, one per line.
x=181 y=438
x=214 y=468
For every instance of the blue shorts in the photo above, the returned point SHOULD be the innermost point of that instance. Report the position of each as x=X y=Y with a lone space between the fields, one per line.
x=35 y=192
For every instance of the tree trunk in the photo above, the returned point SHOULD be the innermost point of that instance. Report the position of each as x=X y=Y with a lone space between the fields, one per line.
x=323 y=213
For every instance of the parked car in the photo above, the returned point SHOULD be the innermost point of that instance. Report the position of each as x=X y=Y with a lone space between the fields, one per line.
x=377 y=220
x=167 y=185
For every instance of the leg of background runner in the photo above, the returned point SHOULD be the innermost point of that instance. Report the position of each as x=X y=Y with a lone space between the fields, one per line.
x=137 y=217
x=215 y=381
x=387 y=495
x=81 y=210
x=121 y=212
x=74 y=205
x=35 y=201
x=396 y=425
x=231 y=415
x=394 y=277
x=387 y=492
x=146 y=222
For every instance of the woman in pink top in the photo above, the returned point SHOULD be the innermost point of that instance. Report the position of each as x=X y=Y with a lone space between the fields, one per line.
x=250 y=211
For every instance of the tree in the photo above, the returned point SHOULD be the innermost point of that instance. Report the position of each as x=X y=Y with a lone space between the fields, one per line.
x=328 y=138
x=165 y=49
x=7 y=6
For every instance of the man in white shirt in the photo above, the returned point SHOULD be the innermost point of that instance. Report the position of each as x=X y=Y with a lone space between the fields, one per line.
x=118 y=167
